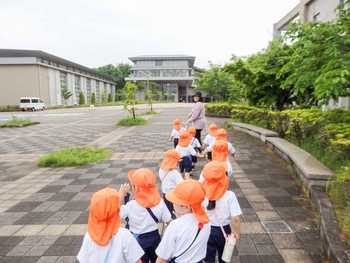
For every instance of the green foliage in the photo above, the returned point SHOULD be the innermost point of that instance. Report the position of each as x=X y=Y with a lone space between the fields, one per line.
x=65 y=93
x=110 y=98
x=218 y=83
x=104 y=96
x=119 y=71
x=149 y=97
x=17 y=122
x=74 y=157
x=132 y=121
x=129 y=91
x=81 y=98
x=93 y=98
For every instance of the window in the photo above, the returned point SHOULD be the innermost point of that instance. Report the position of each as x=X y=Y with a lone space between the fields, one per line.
x=159 y=63
x=88 y=90
x=35 y=100
x=25 y=100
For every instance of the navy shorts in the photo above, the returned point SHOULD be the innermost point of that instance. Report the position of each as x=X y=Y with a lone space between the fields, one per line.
x=186 y=164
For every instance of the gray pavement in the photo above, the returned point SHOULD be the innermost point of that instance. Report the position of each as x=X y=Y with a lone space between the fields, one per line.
x=43 y=212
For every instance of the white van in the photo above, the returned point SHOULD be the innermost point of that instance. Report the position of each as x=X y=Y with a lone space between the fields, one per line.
x=31 y=103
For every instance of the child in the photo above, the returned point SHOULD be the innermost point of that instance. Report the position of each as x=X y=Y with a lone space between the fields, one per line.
x=195 y=144
x=209 y=139
x=186 y=151
x=145 y=211
x=185 y=239
x=105 y=241
x=221 y=135
x=222 y=208
x=169 y=176
x=175 y=133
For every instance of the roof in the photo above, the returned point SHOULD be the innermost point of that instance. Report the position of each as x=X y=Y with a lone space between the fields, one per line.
x=164 y=57
x=47 y=56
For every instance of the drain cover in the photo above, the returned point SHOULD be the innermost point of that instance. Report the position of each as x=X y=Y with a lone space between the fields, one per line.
x=276 y=227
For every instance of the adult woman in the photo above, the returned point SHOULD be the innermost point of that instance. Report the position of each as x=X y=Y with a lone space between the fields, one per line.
x=197 y=115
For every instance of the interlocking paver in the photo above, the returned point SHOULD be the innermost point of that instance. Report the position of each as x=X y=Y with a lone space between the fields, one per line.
x=44 y=211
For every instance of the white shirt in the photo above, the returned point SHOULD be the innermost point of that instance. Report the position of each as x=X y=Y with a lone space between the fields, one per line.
x=176 y=133
x=226 y=207
x=179 y=235
x=195 y=143
x=185 y=151
x=209 y=139
x=171 y=180
x=140 y=220
x=123 y=248
x=231 y=149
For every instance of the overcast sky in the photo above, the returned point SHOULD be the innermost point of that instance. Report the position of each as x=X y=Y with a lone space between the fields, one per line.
x=94 y=33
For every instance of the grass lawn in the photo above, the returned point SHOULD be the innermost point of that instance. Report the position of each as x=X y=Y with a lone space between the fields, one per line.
x=18 y=123
x=74 y=157
x=130 y=121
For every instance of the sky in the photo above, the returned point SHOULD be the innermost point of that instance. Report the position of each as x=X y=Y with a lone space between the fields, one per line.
x=95 y=33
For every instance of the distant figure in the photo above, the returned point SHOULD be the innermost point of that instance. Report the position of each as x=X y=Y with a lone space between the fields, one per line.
x=197 y=116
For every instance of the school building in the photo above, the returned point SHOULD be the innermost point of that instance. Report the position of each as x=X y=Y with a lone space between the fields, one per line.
x=317 y=11
x=174 y=75
x=34 y=73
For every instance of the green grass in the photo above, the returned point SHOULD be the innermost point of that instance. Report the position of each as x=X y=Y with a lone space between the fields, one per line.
x=130 y=121
x=151 y=112
x=17 y=123
x=74 y=157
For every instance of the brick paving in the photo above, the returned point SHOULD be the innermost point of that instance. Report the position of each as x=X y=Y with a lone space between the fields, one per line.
x=43 y=212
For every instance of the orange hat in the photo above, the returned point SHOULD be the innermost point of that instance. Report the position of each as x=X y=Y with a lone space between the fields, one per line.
x=104 y=219
x=184 y=139
x=177 y=124
x=146 y=191
x=220 y=150
x=192 y=131
x=221 y=134
x=216 y=181
x=213 y=129
x=170 y=160
x=190 y=192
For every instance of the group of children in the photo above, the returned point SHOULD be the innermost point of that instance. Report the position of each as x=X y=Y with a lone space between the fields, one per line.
x=198 y=213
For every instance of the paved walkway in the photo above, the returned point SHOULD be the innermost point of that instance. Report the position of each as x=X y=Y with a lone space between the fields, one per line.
x=43 y=212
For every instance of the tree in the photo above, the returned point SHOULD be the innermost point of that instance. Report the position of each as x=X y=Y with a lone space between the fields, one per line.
x=93 y=98
x=321 y=60
x=130 y=90
x=216 y=82
x=119 y=72
x=65 y=94
x=110 y=99
x=81 y=98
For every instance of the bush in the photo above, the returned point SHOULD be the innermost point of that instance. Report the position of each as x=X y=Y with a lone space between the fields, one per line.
x=93 y=98
x=131 y=121
x=110 y=99
x=81 y=98
x=74 y=157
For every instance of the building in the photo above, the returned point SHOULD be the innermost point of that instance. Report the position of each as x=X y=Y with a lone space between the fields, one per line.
x=313 y=11
x=33 y=73
x=174 y=75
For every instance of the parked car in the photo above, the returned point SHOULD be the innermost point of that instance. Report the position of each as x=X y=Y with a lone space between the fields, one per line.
x=31 y=103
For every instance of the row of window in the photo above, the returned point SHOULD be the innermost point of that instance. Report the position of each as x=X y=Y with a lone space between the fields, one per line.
x=161 y=73
x=162 y=63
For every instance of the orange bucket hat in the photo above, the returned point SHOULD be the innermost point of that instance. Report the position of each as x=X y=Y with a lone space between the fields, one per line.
x=177 y=124
x=192 y=131
x=146 y=191
x=104 y=218
x=184 y=139
x=170 y=160
x=213 y=129
x=220 y=151
x=216 y=182
x=190 y=192
x=221 y=134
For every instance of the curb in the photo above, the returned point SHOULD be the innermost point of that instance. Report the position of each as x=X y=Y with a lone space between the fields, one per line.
x=337 y=250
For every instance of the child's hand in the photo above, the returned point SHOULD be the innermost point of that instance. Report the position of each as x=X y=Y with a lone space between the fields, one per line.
x=124 y=189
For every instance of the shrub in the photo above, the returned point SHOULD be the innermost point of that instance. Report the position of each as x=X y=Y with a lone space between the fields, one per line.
x=81 y=98
x=110 y=98
x=93 y=98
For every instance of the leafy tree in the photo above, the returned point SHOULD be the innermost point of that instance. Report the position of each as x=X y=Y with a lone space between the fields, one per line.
x=119 y=72
x=320 y=63
x=149 y=97
x=93 y=98
x=130 y=90
x=65 y=94
x=81 y=98
x=216 y=82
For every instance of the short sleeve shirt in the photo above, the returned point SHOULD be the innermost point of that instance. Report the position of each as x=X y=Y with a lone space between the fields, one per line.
x=122 y=248
x=171 y=180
